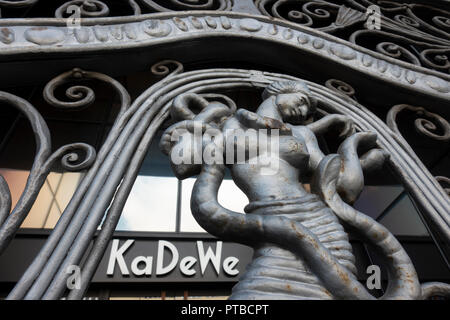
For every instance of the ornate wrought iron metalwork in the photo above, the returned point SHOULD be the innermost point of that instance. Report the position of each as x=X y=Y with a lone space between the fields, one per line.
x=43 y=162
x=184 y=25
x=101 y=8
x=341 y=87
x=114 y=169
x=424 y=126
x=119 y=160
x=410 y=31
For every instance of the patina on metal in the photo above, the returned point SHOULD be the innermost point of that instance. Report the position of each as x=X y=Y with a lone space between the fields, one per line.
x=336 y=180
x=285 y=222
x=412 y=31
x=301 y=248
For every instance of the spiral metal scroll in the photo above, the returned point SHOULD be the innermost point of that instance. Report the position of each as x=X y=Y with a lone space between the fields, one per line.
x=341 y=87
x=98 y=8
x=91 y=8
x=401 y=26
x=83 y=96
x=43 y=162
x=422 y=125
x=88 y=9
x=162 y=68
x=307 y=13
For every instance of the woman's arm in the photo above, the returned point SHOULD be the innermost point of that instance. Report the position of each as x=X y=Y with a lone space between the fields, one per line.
x=343 y=124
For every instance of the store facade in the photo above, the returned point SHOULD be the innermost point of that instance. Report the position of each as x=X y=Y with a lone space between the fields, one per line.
x=117 y=218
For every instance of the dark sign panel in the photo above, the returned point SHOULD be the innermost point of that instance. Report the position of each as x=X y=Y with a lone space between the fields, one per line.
x=133 y=258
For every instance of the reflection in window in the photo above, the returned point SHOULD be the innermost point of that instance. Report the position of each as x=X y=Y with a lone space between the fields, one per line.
x=53 y=197
x=151 y=205
x=154 y=202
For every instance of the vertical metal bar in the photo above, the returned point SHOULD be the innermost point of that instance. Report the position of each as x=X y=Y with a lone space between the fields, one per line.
x=114 y=212
x=179 y=204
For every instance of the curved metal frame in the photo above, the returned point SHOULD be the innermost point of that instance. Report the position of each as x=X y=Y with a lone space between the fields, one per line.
x=119 y=161
x=111 y=176
x=52 y=36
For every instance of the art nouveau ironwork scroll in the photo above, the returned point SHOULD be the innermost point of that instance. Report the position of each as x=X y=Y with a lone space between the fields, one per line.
x=302 y=228
x=412 y=31
x=297 y=223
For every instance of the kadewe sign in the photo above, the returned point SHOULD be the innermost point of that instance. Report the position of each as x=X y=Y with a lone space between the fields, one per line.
x=138 y=260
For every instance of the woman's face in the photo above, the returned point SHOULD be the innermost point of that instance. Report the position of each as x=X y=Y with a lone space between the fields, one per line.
x=294 y=107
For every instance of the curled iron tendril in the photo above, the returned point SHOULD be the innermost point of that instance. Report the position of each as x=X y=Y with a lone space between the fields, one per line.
x=70 y=160
x=91 y=8
x=409 y=21
x=422 y=125
x=304 y=13
x=87 y=8
x=341 y=87
x=162 y=68
x=403 y=26
x=42 y=164
x=396 y=51
x=438 y=59
x=322 y=10
x=83 y=96
x=442 y=22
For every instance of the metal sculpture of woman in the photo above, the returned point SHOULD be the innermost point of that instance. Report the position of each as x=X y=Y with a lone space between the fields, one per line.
x=301 y=248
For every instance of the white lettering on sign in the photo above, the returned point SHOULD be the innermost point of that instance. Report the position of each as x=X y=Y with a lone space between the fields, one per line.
x=229 y=265
x=167 y=259
x=117 y=255
x=186 y=264
x=160 y=269
x=209 y=256
x=147 y=270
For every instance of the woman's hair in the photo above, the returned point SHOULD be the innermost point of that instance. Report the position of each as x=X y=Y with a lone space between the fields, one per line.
x=289 y=86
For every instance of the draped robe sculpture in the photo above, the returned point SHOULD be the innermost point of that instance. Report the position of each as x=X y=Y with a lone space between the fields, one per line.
x=301 y=247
